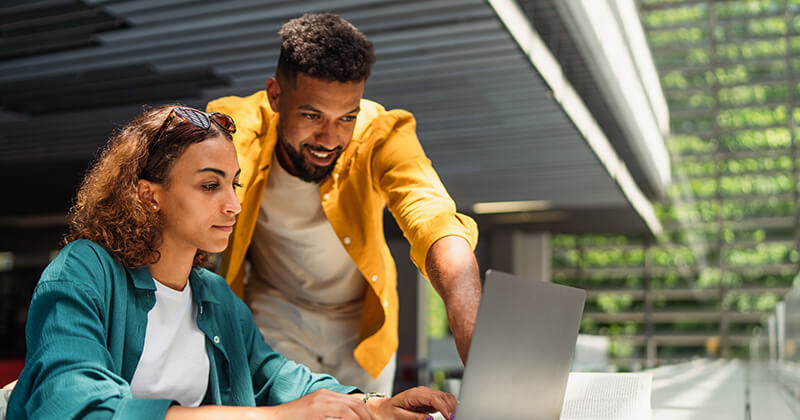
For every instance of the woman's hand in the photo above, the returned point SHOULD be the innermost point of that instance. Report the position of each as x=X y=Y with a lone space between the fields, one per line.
x=414 y=404
x=319 y=405
x=323 y=404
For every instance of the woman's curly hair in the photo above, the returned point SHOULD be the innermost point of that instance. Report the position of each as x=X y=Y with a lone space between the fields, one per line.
x=107 y=208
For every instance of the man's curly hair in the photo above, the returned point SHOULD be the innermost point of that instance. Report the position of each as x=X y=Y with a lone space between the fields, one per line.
x=326 y=47
x=107 y=208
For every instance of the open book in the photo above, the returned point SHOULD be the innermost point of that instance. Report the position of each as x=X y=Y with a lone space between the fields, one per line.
x=607 y=396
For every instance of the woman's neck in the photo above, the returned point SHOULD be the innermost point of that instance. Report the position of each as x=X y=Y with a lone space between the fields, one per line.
x=174 y=266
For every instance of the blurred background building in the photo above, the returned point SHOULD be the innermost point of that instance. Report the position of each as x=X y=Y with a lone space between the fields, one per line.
x=642 y=150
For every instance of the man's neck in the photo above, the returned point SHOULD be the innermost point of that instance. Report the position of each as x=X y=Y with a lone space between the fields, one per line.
x=283 y=159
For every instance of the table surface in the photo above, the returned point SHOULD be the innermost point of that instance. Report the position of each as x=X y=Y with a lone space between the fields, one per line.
x=716 y=389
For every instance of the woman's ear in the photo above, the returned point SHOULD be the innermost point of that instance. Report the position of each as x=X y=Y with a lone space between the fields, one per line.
x=146 y=192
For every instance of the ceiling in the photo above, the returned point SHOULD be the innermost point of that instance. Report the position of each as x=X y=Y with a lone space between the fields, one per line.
x=73 y=71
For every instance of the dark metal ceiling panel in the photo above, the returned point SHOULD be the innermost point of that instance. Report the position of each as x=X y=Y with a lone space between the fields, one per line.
x=484 y=115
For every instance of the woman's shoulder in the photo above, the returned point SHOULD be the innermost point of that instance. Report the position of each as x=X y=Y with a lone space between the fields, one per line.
x=81 y=261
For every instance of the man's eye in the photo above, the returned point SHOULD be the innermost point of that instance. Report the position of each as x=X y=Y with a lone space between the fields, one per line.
x=348 y=118
x=311 y=116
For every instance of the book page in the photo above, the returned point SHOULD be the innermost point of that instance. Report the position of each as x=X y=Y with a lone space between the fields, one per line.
x=607 y=396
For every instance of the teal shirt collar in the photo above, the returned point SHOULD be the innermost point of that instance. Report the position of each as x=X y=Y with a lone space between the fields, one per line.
x=143 y=279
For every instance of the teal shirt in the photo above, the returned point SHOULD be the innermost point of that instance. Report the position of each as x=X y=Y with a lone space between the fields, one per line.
x=85 y=332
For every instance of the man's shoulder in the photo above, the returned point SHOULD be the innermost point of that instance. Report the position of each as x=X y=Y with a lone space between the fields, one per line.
x=249 y=113
x=375 y=120
x=237 y=103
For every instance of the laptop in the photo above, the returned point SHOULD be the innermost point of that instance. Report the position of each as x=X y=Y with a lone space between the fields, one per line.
x=521 y=350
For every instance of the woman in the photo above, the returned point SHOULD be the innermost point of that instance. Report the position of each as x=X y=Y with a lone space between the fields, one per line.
x=125 y=324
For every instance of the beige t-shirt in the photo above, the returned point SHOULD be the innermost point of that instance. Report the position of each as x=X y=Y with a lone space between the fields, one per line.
x=304 y=290
x=297 y=257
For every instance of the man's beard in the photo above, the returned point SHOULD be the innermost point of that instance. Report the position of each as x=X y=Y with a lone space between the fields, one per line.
x=304 y=169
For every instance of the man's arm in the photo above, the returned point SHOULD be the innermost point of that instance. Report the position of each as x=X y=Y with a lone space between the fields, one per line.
x=453 y=272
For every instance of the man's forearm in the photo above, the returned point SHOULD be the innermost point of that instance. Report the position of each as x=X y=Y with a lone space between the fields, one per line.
x=453 y=271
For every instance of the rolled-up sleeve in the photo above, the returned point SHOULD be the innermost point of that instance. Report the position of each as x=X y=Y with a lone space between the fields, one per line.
x=413 y=191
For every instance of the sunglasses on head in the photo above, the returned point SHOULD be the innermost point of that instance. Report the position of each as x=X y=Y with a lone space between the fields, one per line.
x=197 y=118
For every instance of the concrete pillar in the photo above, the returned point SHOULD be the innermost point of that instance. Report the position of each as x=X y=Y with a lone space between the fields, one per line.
x=532 y=255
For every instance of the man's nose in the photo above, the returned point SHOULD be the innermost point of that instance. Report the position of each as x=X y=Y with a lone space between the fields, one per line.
x=326 y=137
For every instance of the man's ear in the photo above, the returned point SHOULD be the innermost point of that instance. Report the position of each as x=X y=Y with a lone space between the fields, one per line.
x=147 y=194
x=273 y=93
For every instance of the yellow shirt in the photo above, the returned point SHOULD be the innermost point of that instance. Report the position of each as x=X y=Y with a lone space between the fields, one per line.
x=383 y=164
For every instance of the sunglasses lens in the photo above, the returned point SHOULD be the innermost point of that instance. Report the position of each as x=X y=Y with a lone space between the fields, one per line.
x=193 y=116
x=224 y=121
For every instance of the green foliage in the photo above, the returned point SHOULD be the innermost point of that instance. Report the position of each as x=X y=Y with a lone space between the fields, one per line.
x=751 y=50
x=728 y=97
x=679 y=36
x=768 y=207
x=614 y=302
x=620 y=348
x=675 y=16
x=566 y=258
x=688 y=144
x=680 y=169
x=673 y=256
x=747 y=165
x=772 y=138
x=766 y=26
x=598 y=257
x=564 y=241
x=743 y=302
x=730 y=9
x=749 y=95
x=751 y=117
x=437 y=326
x=588 y=326
x=671 y=281
x=761 y=254
x=702 y=122
x=730 y=75
x=603 y=240
x=689 y=100
x=756 y=184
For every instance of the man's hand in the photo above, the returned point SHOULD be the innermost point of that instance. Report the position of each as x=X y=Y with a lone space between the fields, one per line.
x=414 y=404
x=453 y=272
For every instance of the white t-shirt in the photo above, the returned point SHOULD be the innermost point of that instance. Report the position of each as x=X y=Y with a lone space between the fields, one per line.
x=174 y=363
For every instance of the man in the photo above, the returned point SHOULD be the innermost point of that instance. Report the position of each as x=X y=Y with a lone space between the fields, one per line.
x=319 y=164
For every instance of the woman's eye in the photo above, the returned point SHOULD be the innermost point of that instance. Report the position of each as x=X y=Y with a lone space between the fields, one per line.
x=210 y=187
x=237 y=185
